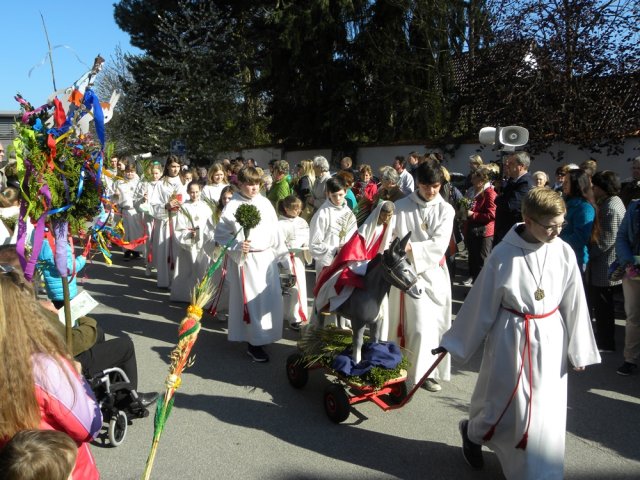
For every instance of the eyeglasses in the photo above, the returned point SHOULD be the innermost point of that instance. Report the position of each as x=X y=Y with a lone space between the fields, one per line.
x=552 y=228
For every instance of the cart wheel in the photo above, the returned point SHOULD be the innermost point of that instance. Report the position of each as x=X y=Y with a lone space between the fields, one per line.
x=117 y=428
x=297 y=374
x=336 y=403
x=397 y=395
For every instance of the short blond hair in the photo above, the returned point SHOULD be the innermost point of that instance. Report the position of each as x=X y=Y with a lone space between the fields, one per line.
x=476 y=159
x=543 y=202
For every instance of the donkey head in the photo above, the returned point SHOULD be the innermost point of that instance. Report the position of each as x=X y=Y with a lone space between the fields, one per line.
x=396 y=267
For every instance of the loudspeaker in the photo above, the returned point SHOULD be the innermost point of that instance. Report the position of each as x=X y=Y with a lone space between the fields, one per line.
x=488 y=136
x=508 y=137
x=513 y=136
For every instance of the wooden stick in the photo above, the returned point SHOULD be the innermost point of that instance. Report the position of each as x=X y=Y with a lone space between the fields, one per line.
x=46 y=34
x=67 y=312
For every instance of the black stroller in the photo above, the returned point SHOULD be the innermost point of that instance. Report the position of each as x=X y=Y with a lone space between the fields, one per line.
x=118 y=402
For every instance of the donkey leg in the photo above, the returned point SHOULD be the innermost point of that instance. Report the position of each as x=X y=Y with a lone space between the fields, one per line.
x=375 y=328
x=356 y=346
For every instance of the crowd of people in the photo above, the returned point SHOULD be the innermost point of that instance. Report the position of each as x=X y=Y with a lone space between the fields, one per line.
x=538 y=294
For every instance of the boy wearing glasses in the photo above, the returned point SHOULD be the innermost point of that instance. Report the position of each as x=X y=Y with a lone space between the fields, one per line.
x=528 y=307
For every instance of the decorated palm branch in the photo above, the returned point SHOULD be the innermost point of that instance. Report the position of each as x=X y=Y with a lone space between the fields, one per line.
x=59 y=166
x=188 y=333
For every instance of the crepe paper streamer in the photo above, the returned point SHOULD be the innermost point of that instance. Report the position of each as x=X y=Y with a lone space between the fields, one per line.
x=59 y=117
x=91 y=101
x=60 y=234
x=38 y=234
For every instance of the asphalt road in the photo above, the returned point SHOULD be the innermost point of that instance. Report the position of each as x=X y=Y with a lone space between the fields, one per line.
x=235 y=419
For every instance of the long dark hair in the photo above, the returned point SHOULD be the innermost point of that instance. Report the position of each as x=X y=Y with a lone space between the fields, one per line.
x=580 y=187
x=170 y=160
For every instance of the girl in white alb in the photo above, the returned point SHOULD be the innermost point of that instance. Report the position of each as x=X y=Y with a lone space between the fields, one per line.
x=132 y=221
x=165 y=203
x=191 y=223
x=217 y=181
x=295 y=231
x=142 y=196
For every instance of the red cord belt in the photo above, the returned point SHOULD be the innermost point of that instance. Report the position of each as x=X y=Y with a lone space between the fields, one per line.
x=526 y=350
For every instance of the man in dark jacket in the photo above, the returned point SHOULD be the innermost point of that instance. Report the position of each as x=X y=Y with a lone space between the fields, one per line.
x=514 y=188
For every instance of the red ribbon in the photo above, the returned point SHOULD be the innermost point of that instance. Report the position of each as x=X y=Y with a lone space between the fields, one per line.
x=526 y=350
x=51 y=143
x=150 y=243
x=170 y=259
x=303 y=317
x=59 y=116
x=245 y=313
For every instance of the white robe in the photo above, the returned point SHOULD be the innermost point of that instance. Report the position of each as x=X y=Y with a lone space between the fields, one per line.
x=507 y=282
x=295 y=232
x=190 y=265
x=212 y=192
x=132 y=221
x=370 y=232
x=141 y=202
x=109 y=182
x=261 y=286
x=426 y=318
x=164 y=245
x=330 y=228
x=208 y=254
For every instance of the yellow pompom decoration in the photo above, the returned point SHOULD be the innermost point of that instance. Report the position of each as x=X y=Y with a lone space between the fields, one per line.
x=173 y=381
x=195 y=311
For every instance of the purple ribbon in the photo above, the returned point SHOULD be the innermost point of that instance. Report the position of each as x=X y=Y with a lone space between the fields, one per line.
x=38 y=235
x=60 y=233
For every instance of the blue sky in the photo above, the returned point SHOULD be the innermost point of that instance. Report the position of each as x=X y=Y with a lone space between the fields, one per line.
x=88 y=29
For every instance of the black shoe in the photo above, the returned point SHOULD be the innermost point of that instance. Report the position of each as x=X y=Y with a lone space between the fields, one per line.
x=257 y=354
x=136 y=255
x=627 y=369
x=146 y=399
x=472 y=452
x=295 y=326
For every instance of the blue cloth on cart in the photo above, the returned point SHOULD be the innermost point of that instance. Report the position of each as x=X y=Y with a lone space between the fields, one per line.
x=384 y=354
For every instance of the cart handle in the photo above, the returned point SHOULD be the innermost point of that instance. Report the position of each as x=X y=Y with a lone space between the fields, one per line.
x=441 y=352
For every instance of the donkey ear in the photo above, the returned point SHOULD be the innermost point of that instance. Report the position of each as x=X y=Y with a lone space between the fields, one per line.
x=403 y=243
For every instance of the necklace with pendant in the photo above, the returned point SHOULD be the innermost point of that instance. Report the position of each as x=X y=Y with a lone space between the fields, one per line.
x=539 y=293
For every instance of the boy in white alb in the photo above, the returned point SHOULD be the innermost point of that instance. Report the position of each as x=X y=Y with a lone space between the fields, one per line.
x=528 y=307
x=331 y=227
x=255 y=297
x=418 y=323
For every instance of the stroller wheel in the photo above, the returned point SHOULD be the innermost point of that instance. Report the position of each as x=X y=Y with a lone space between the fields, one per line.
x=117 y=428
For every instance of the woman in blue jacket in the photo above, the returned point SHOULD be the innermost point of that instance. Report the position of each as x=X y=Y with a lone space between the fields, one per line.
x=51 y=276
x=581 y=222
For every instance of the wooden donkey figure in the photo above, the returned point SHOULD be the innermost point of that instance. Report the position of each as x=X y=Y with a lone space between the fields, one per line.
x=363 y=305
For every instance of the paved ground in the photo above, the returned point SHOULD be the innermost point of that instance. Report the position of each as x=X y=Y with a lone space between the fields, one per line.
x=240 y=420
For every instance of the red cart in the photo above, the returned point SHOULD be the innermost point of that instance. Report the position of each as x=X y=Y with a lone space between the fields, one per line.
x=341 y=394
